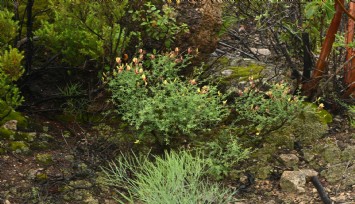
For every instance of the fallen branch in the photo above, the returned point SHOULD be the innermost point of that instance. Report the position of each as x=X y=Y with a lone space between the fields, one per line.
x=323 y=195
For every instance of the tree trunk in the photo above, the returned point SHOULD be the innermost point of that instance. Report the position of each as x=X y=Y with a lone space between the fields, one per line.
x=29 y=35
x=349 y=69
x=309 y=87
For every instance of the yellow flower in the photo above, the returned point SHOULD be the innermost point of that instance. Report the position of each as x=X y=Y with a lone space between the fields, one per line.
x=321 y=106
x=144 y=77
x=136 y=142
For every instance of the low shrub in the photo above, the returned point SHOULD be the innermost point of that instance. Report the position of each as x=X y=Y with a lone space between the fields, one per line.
x=151 y=96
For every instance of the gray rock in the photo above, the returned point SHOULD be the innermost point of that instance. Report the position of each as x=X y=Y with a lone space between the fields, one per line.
x=227 y=72
x=309 y=173
x=290 y=160
x=261 y=51
x=293 y=181
x=10 y=125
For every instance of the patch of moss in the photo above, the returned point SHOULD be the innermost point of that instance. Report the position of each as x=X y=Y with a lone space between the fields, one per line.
x=41 y=145
x=224 y=61
x=21 y=136
x=41 y=177
x=19 y=146
x=5 y=133
x=242 y=73
x=21 y=120
x=323 y=115
x=44 y=159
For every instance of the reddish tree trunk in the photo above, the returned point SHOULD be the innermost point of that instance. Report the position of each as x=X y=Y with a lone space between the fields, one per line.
x=349 y=72
x=310 y=86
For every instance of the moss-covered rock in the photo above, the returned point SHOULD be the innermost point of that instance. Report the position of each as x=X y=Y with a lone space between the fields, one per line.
x=21 y=120
x=348 y=154
x=242 y=73
x=44 y=159
x=332 y=154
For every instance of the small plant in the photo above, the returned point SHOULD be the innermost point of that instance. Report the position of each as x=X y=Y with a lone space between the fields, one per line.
x=160 y=24
x=10 y=71
x=8 y=27
x=223 y=154
x=263 y=111
x=75 y=103
x=157 y=101
x=176 y=178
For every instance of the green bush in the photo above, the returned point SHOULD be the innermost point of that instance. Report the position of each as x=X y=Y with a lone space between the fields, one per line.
x=177 y=178
x=223 y=154
x=8 y=27
x=86 y=30
x=159 y=102
x=260 y=112
x=10 y=71
x=159 y=25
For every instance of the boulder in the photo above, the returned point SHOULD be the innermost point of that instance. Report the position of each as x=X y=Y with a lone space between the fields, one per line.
x=293 y=181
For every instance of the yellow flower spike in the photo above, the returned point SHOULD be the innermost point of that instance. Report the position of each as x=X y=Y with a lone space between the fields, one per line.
x=141 y=70
x=225 y=102
x=198 y=90
x=321 y=106
x=165 y=82
x=258 y=133
x=136 y=142
x=219 y=93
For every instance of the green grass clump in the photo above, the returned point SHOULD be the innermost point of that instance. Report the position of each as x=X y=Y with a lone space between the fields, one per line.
x=176 y=178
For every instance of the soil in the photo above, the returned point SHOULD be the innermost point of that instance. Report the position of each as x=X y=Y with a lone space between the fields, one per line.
x=71 y=175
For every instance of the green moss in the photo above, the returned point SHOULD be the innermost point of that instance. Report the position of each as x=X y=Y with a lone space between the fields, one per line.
x=20 y=136
x=224 y=61
x=41 y=177
x=19 y=146
x=5 y=133
x=21 y=120
x=242 y=73
x=44 y=159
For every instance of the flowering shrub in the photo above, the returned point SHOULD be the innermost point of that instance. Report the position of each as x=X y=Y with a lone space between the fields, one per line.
x=151 y=96
x=263 y=111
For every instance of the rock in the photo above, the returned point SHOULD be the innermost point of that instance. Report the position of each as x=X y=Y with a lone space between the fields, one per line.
x=227 y=72
x=261 y=51
x=10 y=125
x=44 y=159
x=293 y=181
x=309 y=173
x=290 y=160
